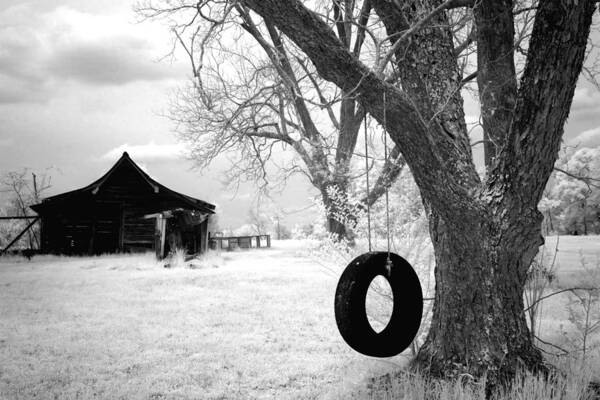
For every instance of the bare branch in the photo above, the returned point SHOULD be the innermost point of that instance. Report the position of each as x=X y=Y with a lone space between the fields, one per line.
x=362 y=27
x=588 y=180
x=324 y=103
x=573 y=289
x=392 y=168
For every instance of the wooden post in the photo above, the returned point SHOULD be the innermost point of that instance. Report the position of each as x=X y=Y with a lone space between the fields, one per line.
x=163 y=234
x=204 y=236
x=268 y=240
x=157 y=236
x=258 y=241
x=161 y=227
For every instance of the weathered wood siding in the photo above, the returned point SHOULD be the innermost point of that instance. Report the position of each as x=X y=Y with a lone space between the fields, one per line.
x=111 y=218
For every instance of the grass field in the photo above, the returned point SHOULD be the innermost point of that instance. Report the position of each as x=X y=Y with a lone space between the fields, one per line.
x=242 y=325
x=260 y=325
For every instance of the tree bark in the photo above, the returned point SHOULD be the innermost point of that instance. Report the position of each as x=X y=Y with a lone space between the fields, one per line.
x=478 y=325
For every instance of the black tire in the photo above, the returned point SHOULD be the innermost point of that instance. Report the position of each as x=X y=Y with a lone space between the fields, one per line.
x=350 y=309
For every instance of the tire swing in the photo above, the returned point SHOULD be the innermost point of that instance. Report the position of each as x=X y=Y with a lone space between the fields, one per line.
x=352 y=288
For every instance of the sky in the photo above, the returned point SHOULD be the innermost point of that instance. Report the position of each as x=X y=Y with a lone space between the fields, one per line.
x=83 y=81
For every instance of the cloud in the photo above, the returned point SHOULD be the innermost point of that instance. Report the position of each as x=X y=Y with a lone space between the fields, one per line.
x=5 y=142
x=48 y=5
x=40 y=52
x=586 y=100
x=147 y=152
x=115 y=60
x=589 y=138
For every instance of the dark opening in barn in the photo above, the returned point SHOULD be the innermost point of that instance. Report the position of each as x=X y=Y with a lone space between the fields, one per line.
x=123 y=211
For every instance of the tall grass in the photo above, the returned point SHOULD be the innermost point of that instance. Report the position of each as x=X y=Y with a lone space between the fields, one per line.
x=582 y=322
x=415 y=386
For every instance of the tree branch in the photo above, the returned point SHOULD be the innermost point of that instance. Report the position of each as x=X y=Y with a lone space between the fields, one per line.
x=469 y=78
x=362 y=27
x=496 y=76
x=392 y=168
x=588 y=180
x=558 y=292
x=461 y=3
x=339 y=22
x=554 y=62
x=324 y=103
x=409 y=131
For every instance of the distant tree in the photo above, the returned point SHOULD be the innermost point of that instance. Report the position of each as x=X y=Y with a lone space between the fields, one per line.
x=258 y=221
x=244 y=230
x=280 y=229
x=22 y=189
x=571 y=202
x=9 y=228
x=213 y=223
x=284 y=232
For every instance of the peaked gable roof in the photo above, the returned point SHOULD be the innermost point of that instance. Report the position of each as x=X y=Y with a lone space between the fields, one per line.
x=126 y=161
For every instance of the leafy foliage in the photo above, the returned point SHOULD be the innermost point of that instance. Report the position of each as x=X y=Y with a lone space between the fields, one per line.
x=571 y=202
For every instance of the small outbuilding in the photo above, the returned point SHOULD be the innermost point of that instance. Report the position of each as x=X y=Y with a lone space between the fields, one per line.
x=123 y=211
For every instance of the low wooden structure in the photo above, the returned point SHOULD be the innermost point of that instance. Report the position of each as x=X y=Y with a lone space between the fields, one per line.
x=242 y=242
x=123 y=211
x=180 y=228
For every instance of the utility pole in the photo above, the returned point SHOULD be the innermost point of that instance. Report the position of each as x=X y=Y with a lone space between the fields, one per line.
x=36 y=196
x=278 y=228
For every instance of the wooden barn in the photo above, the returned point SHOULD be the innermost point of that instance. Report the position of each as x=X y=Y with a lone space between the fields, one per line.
x=123 y=211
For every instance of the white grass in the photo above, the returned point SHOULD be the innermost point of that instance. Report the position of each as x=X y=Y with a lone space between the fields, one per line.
x=555 y=324
x=239 y=325
x=260 y=325
x=570 y=248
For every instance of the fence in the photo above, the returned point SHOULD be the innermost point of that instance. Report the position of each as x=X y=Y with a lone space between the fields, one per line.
x=239 y=242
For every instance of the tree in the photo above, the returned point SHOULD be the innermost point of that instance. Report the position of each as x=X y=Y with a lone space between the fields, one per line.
x=22 y=193
x=571 y=202
x=282 y=232
x=258 y=221
x=272 y=102
x=485 y=231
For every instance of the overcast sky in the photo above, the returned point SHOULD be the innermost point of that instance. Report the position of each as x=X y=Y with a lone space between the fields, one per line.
x=81 y=81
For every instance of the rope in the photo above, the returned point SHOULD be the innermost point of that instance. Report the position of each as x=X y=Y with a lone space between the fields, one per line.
x=368 y=190
x=387 y=200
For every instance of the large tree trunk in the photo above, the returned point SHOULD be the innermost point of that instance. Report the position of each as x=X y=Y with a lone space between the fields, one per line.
x=478 y=325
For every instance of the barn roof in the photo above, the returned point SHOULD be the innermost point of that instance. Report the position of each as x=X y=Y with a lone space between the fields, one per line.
x=125 y=160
